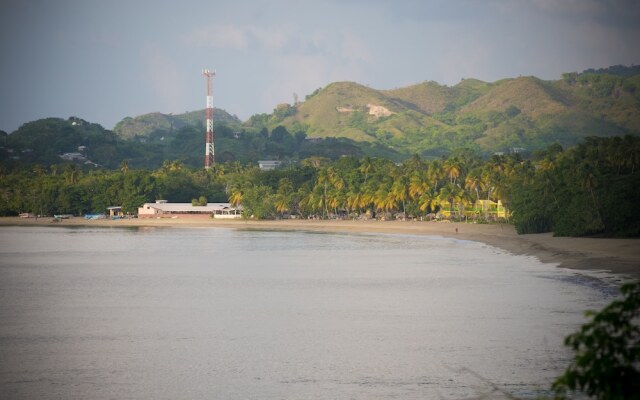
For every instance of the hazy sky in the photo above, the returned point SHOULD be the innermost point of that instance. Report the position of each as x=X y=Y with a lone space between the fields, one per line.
x=104 y=60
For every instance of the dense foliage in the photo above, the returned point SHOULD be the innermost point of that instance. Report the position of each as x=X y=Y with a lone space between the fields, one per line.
x=591 y=189
x=607 y=352
x=318 y=187
x=46 y=141
x=67 y=189
x=379 y=188
x=619 y=70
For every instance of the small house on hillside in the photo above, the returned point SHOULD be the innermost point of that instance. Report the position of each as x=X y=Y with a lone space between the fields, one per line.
x=269 y=165
x=73 y=157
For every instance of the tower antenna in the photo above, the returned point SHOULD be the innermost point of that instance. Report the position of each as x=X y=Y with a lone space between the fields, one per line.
x=209 y=154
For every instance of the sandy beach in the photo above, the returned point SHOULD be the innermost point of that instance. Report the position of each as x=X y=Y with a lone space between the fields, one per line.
x=620 y=256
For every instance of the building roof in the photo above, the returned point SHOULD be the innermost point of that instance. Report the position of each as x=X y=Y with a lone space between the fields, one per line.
x=269 y=164
x=188 y=207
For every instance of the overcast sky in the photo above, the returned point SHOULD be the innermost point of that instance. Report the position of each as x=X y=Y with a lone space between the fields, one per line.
x=105 y=60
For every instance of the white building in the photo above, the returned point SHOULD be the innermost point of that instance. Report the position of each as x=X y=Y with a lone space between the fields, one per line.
x=73 y=157
x=164 y=209
x=269 y=165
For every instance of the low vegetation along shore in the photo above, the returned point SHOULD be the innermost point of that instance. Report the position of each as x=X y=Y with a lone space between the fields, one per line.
x=620 y=256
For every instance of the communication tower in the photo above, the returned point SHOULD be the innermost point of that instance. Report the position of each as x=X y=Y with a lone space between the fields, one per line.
x=209 y=155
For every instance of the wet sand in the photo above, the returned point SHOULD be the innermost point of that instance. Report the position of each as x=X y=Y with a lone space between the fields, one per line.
x=620 y=256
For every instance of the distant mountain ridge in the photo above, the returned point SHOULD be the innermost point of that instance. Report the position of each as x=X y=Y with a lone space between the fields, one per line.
x=347 y=118
x=433 y=119
x=146 y=124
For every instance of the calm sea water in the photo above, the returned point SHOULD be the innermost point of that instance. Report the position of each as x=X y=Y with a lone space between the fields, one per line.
x=227 y=314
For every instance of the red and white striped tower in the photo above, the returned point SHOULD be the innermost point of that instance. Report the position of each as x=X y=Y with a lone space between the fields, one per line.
x=209 y=155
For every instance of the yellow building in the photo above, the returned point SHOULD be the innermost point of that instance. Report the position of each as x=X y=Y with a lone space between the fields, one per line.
x=115 y=212
x=480 y=209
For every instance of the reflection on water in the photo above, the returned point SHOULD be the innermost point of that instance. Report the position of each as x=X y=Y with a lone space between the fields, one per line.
x=214 y=313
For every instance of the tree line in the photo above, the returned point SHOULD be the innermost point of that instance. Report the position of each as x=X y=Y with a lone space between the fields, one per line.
x=589 y=189
x=44 y=141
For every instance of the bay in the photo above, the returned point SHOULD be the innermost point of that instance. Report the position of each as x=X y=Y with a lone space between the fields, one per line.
x=209 y=313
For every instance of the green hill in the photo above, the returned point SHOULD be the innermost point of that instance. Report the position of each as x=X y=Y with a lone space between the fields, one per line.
x=341 y=110
x=50 y=142
x=530 y=95
x=432 y=119
x=432 y=98
x=44 y=142
x=159 y=124
x=346 y=118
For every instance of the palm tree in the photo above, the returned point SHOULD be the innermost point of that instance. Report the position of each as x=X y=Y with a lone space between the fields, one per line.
x=39 y=170
x=366 y=166
x=71 y=173
x=629 y=150
x=231 y=167
x=486 y=177
x=368 y=196
x=544 y=173
x=452 y=194
x=474 y=183
x=124 y=167
x=235 y=198
x=435 y=173
x=171 y=166
x=414 y=164
x=497 y=163
x=384 y=199
x=216 y=170
x=427 y=201
x=302 y=199
x=322 y=181
x=314 y=201
x=354 y=200
x=417 y=185
x=335 y=178
x=590 y=182
x=283 y=196
x=399 y=192
x=332 y=184
x=453 y=169
x=335 y=199
x=464 y=200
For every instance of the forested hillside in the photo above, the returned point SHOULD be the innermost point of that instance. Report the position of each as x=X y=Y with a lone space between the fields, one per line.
x=590 y=189
x=157 y=125
x=524 y=113
x=74 y=141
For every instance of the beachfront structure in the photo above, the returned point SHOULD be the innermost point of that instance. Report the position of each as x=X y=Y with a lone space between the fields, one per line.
x=115 y=212
x=481 y=208
x=164 y=209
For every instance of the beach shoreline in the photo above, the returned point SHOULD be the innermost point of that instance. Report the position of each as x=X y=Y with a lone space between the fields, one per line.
x=619 y=256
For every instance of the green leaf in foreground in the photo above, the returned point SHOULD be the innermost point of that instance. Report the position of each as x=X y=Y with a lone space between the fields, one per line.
x=607 y=359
